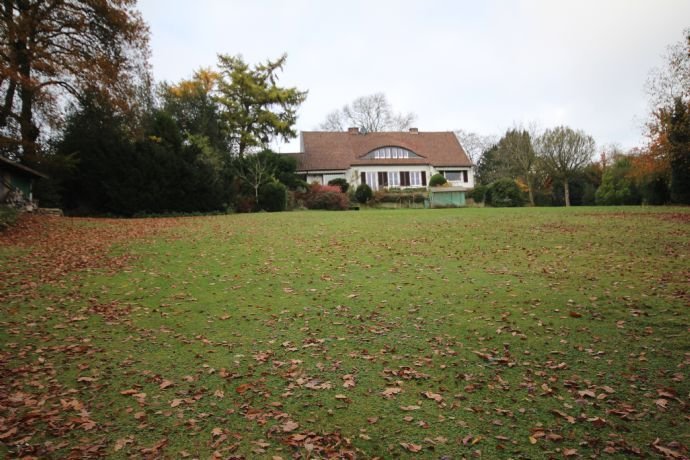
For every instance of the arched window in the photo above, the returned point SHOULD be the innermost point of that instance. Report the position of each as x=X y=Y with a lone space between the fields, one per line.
x=390 y=152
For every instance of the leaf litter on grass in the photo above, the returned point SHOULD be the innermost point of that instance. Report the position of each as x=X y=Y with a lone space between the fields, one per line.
x=336 y=342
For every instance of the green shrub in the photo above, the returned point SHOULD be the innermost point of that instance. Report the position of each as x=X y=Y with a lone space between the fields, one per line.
x=478 y=193
x=504 y=193
x=617 y=187
x=340 y=182
x=436 y=180
x=363 y=193
x=8 y=216
x=273 y=197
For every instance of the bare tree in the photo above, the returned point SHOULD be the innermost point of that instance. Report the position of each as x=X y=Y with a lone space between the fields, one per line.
x=564 y=152
x=334 y=122
x=475 y=144
x=371 y=113
x=254 y=170
x=672 y=81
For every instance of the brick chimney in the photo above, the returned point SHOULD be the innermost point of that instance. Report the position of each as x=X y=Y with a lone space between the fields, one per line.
x=414 y=130
x=353 y=130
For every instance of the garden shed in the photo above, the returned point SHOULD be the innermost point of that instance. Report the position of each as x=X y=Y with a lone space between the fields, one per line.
x=17 y=178
x=446 y=197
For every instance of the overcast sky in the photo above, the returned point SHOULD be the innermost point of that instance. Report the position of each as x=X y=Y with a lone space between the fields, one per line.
x=481 y=66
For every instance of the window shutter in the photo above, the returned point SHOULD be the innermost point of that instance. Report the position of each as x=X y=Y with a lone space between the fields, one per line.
x=363 y=178
x=424 y=178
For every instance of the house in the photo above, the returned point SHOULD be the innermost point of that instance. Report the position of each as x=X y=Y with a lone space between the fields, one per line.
x=16 y=182
x=383 y=160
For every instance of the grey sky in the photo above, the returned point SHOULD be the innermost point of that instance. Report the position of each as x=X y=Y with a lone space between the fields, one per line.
x=481 y=66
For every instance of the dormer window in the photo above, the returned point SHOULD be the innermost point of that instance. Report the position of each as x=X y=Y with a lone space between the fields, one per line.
x=387 y=153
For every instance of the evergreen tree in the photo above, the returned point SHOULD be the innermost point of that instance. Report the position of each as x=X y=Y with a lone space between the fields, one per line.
x=679 y=151
x=255 y=110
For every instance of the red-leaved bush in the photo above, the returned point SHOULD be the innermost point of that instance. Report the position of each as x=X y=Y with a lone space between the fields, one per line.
x=317 y=188
x=326 y=197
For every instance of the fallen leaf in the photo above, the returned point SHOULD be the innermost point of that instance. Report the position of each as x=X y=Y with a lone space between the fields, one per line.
x=669 y=453
x=348 y=381
x=435 y=396
x=411 y=447
x=241 y=389
x=122 y=442
x=391 y=392
x=289 y=426
x=8 y=434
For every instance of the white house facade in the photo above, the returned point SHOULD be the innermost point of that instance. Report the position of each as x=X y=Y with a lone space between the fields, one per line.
x=384 y=160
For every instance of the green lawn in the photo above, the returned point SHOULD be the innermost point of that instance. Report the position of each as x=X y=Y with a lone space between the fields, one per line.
x=505 y=333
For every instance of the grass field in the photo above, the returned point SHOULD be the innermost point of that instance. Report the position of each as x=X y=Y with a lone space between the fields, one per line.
x=500 y=333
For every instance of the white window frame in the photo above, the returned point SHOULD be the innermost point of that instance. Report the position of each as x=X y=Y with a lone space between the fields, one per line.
x=393 y=179
x=415 y=178
x=372 y=180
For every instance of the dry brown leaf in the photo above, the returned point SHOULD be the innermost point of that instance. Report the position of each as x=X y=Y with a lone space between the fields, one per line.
x=411 y=447
x=289 y=426
x=390 y=392
x=435 y=396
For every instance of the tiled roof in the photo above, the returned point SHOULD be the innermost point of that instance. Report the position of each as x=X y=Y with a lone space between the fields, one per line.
x=324 y=151
x=5 y=163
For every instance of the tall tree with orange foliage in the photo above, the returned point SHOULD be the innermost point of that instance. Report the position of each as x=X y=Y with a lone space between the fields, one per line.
x=52 y=51
x=667 y=156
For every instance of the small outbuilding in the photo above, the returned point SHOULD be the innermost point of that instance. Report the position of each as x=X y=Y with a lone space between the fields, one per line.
x=446 y=197
x=17 y=182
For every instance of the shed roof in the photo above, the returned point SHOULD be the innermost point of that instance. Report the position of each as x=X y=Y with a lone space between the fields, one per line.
x=18 y=167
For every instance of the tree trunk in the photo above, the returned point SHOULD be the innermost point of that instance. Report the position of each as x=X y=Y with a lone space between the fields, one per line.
x=27 y=128
x=7 y=106
x=567 y=191
x=531 y=192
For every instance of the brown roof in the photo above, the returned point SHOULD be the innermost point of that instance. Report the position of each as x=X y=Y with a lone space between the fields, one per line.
x=20 y=167
x=327 y=151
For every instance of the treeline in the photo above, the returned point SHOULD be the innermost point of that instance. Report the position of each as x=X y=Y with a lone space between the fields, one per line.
x=558 y=166
x=555 y=169
x=77 y=102
x=187 y=152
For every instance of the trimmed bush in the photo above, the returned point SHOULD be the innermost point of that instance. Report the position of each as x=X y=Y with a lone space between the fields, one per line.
x=504 y=193
x=437 y=180
x=363 y=193
x=340 y=182
x=478 y=193
x=273 y=197
x=326 y=197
